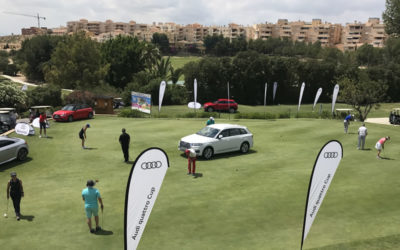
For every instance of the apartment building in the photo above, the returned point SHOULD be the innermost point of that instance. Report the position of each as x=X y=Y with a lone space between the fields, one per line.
x=347 y=37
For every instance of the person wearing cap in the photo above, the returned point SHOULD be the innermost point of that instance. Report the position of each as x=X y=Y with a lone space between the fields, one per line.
x=381 y=145
x=191 y=155
x=346 y=122
x=82 y=134
x=90 y=195
x=362 y=133
x=16 y=191
x=124 y=140
x=210 y=121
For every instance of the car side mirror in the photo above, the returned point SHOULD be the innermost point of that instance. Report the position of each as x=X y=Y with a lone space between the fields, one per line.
x=220 y=136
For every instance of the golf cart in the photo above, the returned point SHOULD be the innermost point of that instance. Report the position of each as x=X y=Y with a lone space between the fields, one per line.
x=36 y=110
x=8 y=119
x=394 y=117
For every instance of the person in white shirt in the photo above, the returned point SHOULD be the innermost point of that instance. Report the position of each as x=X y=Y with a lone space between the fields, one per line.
x=362 y=133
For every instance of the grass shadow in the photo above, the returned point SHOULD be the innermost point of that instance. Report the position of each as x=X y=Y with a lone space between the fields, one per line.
x=103 y=232
x=48 y=137
x=386 y=242
x=223 y=155
x=130 y=162
x=27 y=217
x=197 y=175
x=366 y=149
x=386 y=158
x=13 y=164
x=89 y=148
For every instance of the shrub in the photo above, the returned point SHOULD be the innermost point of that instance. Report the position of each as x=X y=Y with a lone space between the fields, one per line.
x=131 y=113
x=255 y=116
x=49 y=95
x=284 y=115
x=81 y=97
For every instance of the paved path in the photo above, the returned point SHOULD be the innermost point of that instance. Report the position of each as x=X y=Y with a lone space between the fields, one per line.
x=21 y=79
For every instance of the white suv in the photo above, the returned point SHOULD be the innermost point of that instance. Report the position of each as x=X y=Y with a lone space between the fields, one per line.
x=218 y=138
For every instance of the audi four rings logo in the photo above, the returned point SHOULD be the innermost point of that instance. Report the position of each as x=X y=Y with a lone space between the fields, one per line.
x=331 y=154
x=151 y=165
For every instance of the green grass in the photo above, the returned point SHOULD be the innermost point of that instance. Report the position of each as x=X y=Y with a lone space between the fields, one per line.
x=252 y=201
x=180 y=61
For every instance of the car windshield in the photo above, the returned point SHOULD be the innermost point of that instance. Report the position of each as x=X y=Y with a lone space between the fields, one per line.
x=68 y=107
x=208 y=132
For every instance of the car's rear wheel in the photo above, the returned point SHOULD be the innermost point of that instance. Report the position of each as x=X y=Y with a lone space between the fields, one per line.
x=22 y=154
x=210 y=109
x=231 y=110
x=70 y=118
x=90 y=116
x=244 y=148
x=208 y=153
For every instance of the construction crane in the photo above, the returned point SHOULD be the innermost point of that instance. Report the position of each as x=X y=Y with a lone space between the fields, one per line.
x=37 y=16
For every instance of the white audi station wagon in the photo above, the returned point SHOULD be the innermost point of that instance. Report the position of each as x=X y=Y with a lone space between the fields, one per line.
x=218 y=138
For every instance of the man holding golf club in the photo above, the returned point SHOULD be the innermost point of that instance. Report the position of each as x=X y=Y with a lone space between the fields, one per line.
x=381 y=145
x=16 y=191
x=82 y=135
x=90 y=195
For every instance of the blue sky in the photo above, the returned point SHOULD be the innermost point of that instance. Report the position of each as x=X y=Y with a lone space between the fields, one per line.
x=215 y=12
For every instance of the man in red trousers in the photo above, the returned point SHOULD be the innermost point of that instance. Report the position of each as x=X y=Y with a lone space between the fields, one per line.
x=191 y=154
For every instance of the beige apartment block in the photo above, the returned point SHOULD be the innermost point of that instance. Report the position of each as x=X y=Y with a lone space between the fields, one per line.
x=347 y=37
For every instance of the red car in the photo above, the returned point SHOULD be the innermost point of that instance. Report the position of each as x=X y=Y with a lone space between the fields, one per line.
x=73 y=112
x=221 y=105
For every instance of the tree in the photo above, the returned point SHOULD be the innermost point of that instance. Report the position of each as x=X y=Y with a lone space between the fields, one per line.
x=3 y=60
x=11 y=95
x=391 y=17
x=161 y=41
x=49 y=95
x=362 y=93
x=76 y=64
x=35 y=53
x=127 y=56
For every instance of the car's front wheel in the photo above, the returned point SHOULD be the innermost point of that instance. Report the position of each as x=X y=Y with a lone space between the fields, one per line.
x=244 y=148
x=210 y=109
x=90 y=116
x=22 y=153
x=231 y=110
x=70 y=118
x=208 y=153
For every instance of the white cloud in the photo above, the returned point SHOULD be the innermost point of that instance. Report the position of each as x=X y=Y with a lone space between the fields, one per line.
x=220 y=12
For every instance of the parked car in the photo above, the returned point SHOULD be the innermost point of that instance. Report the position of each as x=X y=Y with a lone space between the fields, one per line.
x=218 y=138
x=73 y=112
x=221 y=105
x=12 y=148
x=7 y=120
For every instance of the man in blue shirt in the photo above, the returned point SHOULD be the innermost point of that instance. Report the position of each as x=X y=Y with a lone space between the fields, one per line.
x=347 y=122
x=90 y=196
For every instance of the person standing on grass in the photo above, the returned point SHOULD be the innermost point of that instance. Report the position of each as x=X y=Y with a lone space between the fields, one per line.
x=362 y=134
x=16 y=191
x=124 y=140
x=381 y=145
x=210 y=121
x=346 y=122
x=82 y=134
x=43 y=123
x=191 y=155
x=90 y=195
